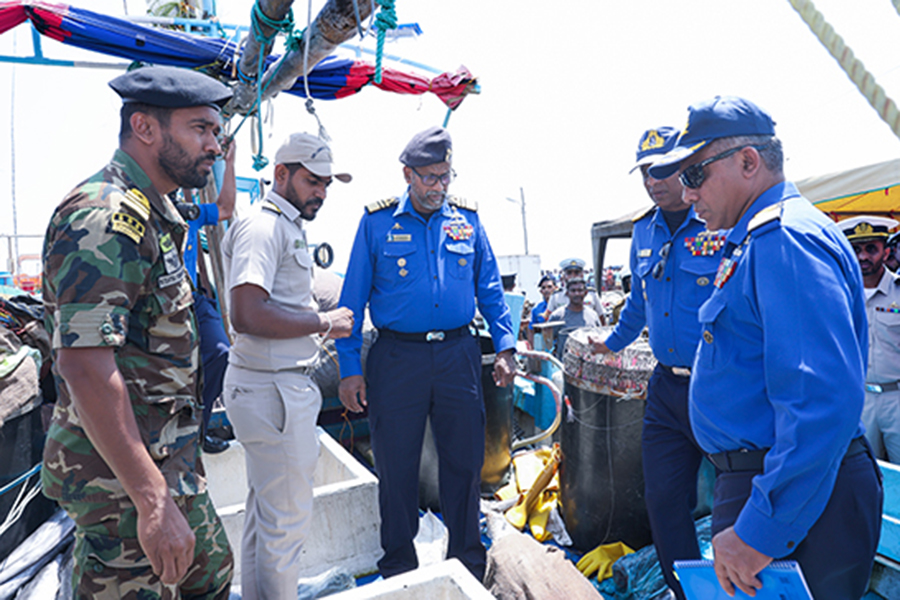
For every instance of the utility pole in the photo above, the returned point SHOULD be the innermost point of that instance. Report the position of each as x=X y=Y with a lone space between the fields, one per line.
x=524 y=225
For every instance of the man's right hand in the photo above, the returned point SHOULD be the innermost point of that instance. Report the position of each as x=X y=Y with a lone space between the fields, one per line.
x=341 y=322
x=167 y=540
x=597 y=345
x=352 y=392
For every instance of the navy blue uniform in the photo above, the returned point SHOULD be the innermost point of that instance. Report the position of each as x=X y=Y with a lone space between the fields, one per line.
x=685 y=263
x=421 y=275
x=781 y=368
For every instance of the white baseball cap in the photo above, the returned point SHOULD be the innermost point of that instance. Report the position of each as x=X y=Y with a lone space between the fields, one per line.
x=310 y=151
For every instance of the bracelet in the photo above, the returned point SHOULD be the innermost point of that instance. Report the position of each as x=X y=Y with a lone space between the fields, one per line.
x=330 y=325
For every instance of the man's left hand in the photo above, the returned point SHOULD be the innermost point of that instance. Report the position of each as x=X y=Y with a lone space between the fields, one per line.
x=737 y=563
x=504 y=368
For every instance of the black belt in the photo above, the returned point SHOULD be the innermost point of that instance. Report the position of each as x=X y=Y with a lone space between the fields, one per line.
x=752 y=460
x=428 y=336
x=676 y=371
x=880 y=388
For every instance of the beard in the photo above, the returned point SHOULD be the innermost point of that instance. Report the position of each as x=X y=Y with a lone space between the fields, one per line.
x=430 y=201
x=309 y=208
x=181 y=168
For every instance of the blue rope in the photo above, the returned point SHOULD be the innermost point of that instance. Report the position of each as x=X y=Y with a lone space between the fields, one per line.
x=15 y=482
x=386 y=19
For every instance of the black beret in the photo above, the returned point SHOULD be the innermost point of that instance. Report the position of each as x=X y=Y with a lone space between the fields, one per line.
x=427 y=148
x=171 y=87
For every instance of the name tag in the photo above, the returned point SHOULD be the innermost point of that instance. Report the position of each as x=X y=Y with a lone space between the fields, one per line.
x=645 y=253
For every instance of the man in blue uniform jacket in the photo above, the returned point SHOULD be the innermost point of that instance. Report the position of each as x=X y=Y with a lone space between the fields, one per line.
x=777 y=387
x=419 y=262
x=673 y=265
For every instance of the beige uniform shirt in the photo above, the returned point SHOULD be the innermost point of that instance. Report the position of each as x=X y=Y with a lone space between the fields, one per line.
x=268 y=249
x=883 y=312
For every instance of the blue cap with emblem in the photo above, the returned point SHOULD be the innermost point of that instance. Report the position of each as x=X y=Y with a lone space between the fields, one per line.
x=723 y=116
x=653 y=144
x=427 y=148
x=171 y=87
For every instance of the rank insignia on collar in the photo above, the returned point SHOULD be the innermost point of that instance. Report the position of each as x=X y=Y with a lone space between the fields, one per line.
x=705 y=243
x=459 y=230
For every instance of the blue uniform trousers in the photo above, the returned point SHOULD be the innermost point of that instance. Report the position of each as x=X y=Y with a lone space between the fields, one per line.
x=671 y=460
x=838 y=552
x=214 y=348
x=407 y=382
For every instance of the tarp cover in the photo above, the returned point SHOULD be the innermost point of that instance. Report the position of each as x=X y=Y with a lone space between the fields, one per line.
x=869 y=190
x=330 y=79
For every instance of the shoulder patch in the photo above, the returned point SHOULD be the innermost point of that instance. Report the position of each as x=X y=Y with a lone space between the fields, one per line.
x=128 y=226
x=767 y=215
x=644 y=213
x=382 y=204
x=463 y=203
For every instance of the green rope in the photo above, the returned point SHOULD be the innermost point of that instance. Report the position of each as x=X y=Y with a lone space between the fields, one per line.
x=386 y=19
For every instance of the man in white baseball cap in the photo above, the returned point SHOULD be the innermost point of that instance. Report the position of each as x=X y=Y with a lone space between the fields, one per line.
x=271 y=400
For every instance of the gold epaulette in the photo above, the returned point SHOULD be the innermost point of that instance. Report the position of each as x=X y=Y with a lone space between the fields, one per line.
x=381 y=204
x=646 y=212
x=766 y=215
x=463 y=203
x=271 y=206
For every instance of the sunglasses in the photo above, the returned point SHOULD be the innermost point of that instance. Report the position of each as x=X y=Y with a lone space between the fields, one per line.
x=660 y=267
x=694 y=176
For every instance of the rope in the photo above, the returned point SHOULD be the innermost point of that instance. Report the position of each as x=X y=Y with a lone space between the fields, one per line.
x=19 y=479
x=387 y=19
x=852 y=66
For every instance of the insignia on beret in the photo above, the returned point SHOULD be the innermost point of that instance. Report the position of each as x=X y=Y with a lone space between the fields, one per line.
x=766 y=215
x=381 y=204
x=644 y=213
x=129 y=226
x=463 y=203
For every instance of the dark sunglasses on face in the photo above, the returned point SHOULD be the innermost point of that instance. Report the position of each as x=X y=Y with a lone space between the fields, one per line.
x=693 y=176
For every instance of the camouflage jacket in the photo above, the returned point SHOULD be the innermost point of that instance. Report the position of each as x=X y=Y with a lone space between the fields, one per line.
x=114 y=277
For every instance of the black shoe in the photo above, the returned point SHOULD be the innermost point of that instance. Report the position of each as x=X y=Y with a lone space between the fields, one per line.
x=213 y=445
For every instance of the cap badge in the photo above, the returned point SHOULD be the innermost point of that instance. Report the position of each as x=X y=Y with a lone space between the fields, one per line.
x=448 y=154
x=652 y=141
x=863 y=229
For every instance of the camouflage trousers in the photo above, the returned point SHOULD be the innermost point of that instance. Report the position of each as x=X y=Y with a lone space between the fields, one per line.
x=110 y=564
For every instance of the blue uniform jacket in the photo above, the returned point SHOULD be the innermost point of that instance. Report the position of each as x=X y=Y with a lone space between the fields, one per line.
x=209 y=215
x=419 y=276
x=668 y=306
x=782 y=363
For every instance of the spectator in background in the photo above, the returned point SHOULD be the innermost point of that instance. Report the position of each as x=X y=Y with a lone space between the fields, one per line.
x=547 y=285
x=575 y=314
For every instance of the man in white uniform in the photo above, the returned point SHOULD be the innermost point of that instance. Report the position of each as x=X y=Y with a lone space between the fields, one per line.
x=270 y=398
x=881 y=412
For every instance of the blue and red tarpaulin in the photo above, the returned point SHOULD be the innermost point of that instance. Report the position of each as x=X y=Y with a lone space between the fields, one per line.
x=330 y=79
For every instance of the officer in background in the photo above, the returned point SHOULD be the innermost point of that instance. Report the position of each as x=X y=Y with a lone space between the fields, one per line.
x=892 y=262
x=673 y=265
x=881 y=412
x=419 y=262
x=573 y=268
x=777 y=386
x=122 y=455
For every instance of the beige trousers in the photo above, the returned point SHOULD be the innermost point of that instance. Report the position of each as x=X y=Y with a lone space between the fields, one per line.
x=274 y=419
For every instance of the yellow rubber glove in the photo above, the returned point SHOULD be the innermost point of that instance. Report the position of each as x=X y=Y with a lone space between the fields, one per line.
x=601 y=559
x=538 y=517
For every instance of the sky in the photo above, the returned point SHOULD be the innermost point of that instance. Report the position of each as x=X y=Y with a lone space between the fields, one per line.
x=567 y=89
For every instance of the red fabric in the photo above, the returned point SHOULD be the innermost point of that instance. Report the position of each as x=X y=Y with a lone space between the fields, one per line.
x=11 y=15
x=452 y=88
x=48 y=19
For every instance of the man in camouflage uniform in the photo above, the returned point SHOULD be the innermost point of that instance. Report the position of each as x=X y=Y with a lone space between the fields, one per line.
x=122 y=454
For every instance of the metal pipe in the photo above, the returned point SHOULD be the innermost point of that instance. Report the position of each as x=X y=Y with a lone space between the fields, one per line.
x=557 y=396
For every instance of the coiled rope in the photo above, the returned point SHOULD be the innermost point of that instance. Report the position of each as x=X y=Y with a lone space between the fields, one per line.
x=386 y=19
x=852 y=66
